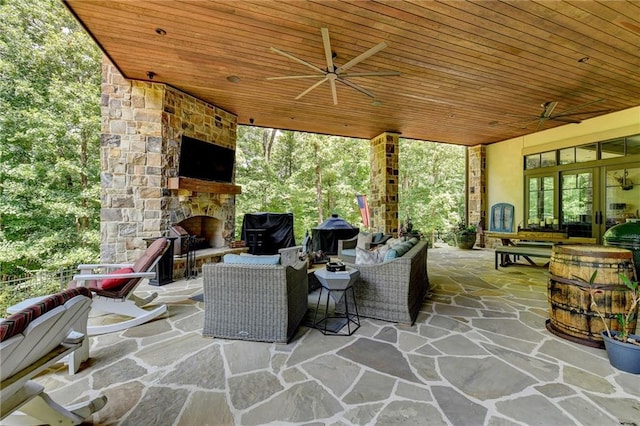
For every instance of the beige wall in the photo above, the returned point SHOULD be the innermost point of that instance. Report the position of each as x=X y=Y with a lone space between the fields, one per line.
x=505 y=159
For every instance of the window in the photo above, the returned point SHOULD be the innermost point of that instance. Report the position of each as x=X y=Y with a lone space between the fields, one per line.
x=613 y=148
x=541 y=196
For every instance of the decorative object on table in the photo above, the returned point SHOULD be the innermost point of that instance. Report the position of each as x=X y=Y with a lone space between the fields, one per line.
x=465 y=235
x=336 y=266
x=570 y=313
x=626 y=235
x=623 y=348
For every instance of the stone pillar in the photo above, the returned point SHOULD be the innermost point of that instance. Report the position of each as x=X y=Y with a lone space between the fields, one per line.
x=477 y=189
x=383 y=200
x=142 y=127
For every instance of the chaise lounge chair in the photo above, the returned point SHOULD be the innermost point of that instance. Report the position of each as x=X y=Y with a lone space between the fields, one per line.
x=113 y=291
x=33 y=339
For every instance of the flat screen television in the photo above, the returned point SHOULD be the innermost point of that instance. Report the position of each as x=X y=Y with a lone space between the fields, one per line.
x=206 y=161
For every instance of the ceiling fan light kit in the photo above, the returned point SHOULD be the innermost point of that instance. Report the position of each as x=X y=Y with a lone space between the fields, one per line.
x=334 y=73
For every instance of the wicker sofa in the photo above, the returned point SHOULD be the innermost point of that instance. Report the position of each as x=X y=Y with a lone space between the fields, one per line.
x=393 y=290
x=254 y=302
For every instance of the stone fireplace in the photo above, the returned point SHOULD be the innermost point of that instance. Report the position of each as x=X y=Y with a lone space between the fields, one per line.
x=142 y=195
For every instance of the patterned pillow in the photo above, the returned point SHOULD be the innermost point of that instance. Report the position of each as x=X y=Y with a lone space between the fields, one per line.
x=371 y=257
x=366 y=257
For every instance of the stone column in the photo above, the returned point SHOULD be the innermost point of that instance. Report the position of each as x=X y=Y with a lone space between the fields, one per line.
x=383 y=199
x=477 y=189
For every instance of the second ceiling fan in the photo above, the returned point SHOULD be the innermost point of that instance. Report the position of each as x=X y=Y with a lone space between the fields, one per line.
x=334 y=73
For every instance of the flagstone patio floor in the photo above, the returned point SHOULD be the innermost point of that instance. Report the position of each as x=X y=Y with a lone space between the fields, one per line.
x=478 y=354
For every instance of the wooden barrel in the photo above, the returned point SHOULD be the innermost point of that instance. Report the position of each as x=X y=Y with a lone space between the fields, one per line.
x=570 y=269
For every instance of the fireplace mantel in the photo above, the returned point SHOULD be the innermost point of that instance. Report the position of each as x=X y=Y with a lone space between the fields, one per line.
x=198 y=185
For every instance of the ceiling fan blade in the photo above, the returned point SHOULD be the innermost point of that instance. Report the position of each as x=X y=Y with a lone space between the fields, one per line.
x=597 y=101
x=548 y=109
x=375 y=49
x=565 y=120
x=355 y=86
x=300 y=61
x=326 y=41
x=290 y=77
x=311 y=88
x=582 y=113
x=334 y=92
x=370 y=74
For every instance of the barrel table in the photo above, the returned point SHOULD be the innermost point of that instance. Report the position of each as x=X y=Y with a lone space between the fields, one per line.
x=570 y=269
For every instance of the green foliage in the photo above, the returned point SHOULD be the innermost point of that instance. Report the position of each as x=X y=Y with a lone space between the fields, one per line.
x=49 y=138
x=431 y=184
x=313 y=176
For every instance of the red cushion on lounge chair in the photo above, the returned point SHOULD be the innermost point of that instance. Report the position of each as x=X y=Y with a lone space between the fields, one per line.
x=110 y=283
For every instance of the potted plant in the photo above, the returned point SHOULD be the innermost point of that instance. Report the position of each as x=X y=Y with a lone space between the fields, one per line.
x=623 y=347
x=465 y=235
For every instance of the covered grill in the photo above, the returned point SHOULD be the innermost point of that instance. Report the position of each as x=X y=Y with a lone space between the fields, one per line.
x=326 y=235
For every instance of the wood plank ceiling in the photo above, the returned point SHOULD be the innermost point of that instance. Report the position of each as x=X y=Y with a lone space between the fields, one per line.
x=471 y=72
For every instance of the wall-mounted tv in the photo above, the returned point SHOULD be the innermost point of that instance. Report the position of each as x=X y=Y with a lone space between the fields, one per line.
x=204 y=160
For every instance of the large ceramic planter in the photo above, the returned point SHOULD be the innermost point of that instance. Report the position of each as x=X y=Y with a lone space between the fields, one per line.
x=465 y=241
x=623 y=356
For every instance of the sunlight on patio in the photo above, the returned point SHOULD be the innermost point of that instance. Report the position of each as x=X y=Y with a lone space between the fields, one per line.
x=478 y=354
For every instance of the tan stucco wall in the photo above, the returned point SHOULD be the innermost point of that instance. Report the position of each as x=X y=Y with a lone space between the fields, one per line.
x=505 y=159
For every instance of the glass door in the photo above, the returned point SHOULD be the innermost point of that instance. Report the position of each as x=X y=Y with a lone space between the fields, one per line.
x=622 y=194
x=577 y=201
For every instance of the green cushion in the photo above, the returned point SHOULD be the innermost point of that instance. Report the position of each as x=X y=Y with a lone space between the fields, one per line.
x=252 y=259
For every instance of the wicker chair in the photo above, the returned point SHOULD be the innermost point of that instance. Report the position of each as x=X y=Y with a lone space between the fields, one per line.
x=254 y=302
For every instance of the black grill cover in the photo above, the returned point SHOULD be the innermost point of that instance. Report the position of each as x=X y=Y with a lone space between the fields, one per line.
x=326 y=235
x=278 y=226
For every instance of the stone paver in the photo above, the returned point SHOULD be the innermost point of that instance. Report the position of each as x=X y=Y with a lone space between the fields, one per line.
x=479 y=354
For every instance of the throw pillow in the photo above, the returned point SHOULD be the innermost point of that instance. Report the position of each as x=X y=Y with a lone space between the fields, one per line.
x=382 y=252
x=366 y=257
x=111 y=283
x=364 y=240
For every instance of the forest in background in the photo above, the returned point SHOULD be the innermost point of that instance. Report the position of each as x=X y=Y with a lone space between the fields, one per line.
x=50 y=77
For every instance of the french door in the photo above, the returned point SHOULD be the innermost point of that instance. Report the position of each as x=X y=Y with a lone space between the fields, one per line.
x=579 y=213
x=593 y=200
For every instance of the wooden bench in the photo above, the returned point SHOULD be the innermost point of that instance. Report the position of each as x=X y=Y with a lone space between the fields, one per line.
x=526 y=251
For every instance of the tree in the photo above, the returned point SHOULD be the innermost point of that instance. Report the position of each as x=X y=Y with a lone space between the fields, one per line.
x=431 y=184
x=49 y=138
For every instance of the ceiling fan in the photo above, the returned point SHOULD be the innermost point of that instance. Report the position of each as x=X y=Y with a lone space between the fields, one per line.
x=566 y=116
x=334 y=73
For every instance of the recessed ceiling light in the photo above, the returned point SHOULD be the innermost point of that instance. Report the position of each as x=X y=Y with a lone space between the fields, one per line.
x=233 y=78
x=584 y=60
x=160 y=31
x=376 y=103
x=151 y=74
x=493 y=123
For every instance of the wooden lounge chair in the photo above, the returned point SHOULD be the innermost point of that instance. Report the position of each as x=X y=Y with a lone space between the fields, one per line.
x=33 y=339
x=113 y=286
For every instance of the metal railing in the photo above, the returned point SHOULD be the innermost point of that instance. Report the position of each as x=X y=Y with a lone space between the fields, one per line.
x=36 y=283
